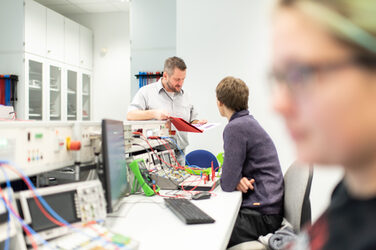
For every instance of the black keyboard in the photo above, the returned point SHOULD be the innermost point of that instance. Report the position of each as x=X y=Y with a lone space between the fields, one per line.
x=188 y=212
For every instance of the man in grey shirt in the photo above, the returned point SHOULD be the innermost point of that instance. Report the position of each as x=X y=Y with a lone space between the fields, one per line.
x=166 y=98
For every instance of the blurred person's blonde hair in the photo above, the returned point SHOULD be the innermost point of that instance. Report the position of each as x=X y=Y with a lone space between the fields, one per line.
x=352 y=22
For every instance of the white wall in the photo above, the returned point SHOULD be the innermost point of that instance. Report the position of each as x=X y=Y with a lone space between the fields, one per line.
x=231 y=38
x=217 y=38
x=153 y=34
x=111 y=71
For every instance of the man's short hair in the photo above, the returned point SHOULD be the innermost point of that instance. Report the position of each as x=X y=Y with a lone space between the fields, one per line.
x=172 y=63
x=233 y=93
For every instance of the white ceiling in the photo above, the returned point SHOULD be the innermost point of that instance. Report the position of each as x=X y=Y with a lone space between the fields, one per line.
x=85 y=6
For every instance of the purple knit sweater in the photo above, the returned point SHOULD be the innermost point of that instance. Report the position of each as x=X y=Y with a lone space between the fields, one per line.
x=249 y=152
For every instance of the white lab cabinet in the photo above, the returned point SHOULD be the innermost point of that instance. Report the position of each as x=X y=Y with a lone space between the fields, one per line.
x=35 y=27
x=35 y=80
x=86 y=48
x=86 y=101
x=55 y=36
x=72 y=42
x=72 y=94
x=79 y=94
x=55 y=91
x=52 y=55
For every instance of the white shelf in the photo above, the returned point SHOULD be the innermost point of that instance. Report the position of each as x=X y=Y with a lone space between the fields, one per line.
x=34 y=87
x=54 y=90
x=71 y=92
x=54 y=115
x=35 y=115
x=85 y=94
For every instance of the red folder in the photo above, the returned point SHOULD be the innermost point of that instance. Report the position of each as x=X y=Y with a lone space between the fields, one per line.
x=182 y=125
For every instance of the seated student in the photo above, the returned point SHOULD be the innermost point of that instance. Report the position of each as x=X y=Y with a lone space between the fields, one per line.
x=250 y=165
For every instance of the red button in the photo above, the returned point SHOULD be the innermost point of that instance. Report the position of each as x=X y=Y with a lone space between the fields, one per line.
x=75 y=145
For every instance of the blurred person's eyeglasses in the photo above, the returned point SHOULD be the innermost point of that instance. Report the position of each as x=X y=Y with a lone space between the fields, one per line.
x=298 y=76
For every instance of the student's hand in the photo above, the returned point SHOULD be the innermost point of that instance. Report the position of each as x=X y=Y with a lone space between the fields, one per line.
x=245 y=184
x=160 y=114
x=200 y=122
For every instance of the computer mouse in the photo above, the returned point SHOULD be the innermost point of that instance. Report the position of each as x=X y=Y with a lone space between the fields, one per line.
x=201 y=195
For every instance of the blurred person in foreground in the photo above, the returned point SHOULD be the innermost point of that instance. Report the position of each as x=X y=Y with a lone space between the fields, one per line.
x=324 y=69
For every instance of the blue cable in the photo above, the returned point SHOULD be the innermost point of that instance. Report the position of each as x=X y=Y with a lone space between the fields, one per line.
x=7 y=90
x=40 y=198
x=144 y=79
x=45 y=204
x=185 y=158
x=181 y=151
x=35 y=234
x=139 y=80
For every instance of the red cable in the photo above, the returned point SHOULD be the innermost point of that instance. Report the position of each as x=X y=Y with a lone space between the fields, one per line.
x=179 y=166
x=212 y=188
x=169 y=148
x=172 y=196
x=104 y=236
x=171 y=153
x=28 y=233
x=145 y=139
x=212 y=167
x=168 y=164
x=48 y=216
x=182 y=187
x=166 y=145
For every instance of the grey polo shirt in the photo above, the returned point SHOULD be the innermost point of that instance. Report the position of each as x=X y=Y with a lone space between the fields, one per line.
x=154 y=96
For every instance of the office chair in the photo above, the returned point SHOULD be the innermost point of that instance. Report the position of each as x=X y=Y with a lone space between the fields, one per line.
x=202 y=159
x=297 y=205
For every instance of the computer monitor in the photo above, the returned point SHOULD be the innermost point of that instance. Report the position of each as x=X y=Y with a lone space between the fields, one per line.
x=115 y=171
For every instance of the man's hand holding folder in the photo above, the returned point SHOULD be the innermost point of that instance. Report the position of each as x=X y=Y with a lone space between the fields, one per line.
x=182 y=125
x=198 y=127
